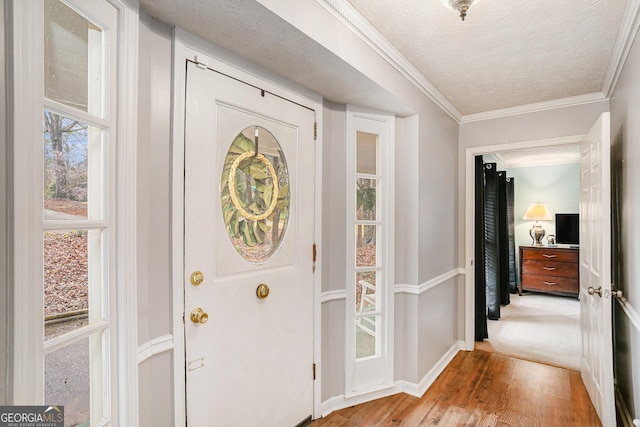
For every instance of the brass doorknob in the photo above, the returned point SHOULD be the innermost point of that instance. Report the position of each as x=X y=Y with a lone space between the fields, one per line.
x=592 y=291
x=263 y=291
x=196 y=278
x=199 y=316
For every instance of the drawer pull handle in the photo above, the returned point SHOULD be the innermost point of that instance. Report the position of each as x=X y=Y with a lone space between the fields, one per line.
x=550 y=283
x=549 y=268
x=548 y=256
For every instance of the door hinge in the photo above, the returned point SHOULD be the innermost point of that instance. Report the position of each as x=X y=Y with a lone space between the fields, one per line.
x=314 y=371
x=183 y=318
x=315 y=131
x=315 y=256
x=198 y=63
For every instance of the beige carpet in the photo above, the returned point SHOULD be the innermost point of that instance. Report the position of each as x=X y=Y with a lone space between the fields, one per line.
x=538 y=327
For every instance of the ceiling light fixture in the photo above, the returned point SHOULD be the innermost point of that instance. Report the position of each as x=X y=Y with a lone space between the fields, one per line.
x=460 y=6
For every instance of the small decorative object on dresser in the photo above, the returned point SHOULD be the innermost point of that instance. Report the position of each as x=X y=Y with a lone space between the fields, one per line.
x=550 y=270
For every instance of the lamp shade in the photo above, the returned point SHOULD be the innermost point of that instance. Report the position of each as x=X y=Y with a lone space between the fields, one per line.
x=537 y=212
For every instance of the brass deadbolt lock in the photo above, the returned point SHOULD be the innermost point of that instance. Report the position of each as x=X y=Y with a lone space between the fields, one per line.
x=263 y=291
x=199 y=316
x=196 y=278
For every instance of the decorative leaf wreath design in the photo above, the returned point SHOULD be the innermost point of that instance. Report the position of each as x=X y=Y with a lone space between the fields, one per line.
x=250 y=216
x=234 y=193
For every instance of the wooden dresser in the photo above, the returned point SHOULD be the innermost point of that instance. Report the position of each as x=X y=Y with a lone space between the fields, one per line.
x=549 y=270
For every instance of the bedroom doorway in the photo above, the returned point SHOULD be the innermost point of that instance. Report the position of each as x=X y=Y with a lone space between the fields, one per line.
x=542 y=327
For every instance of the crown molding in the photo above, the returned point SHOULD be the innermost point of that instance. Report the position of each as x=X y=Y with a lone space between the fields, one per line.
x=626 y=35
x=350 y=17
x=537 y=106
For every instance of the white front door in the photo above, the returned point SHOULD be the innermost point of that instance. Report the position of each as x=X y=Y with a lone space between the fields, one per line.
x=595 y=270
x=249 y=222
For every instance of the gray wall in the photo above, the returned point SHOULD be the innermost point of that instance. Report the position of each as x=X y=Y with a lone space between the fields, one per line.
x=625 y=137
x=153 y=207
x=333 y=250
x=425 y=242
x=555 y=123
x=4 y=277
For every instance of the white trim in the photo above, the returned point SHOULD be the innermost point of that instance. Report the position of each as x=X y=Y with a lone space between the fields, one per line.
x=418 y=390
x=180 y=50
x=333 y=295
x=188 y=46
x=126 y=215
x=153 y=347
x=350 y=17
x=336 y=403
x=536 y=106
x=340 y=402
x=626 y=36
x=25 y=88
x=429 y=284
x=469 y=227
x=631 y=313
x=382 y=124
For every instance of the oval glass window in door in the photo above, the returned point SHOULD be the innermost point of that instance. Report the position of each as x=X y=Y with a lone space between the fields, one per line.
x=254 y=192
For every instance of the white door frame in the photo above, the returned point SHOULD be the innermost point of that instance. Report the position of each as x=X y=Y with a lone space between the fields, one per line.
x=470 y=153
x=187 y=46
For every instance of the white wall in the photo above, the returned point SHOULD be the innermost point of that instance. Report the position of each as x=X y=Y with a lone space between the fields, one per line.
x=153 y=225
x=625 y=137
x=556 y=185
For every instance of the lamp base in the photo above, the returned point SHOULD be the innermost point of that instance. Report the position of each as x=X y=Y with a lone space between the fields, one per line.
x=537 y=233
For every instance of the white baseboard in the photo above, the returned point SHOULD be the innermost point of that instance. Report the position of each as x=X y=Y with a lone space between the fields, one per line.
x=419 y=389
x=340 y=402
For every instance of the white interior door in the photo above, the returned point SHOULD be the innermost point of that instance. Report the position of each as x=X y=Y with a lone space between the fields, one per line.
x=595 y=270
x=249 y=221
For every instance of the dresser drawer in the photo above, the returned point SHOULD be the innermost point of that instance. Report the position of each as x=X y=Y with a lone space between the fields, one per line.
x=533 y=282
x=550 y=255
x=547 y=268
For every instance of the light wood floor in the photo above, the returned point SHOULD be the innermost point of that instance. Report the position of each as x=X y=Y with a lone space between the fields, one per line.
x=479 y=388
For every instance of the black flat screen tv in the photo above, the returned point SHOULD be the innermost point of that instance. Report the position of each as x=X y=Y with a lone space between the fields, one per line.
x=568 y=228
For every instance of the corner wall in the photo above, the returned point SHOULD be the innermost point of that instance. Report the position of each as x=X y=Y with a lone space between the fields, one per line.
x=154 y=287
x=625 y=141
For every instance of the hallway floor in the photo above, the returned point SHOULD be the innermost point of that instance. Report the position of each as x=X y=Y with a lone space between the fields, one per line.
x=480 y=388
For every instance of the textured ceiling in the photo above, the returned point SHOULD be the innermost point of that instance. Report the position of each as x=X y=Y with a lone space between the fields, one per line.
x=507 y=53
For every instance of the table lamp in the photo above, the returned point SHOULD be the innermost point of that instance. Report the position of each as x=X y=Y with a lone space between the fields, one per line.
x=537 y=212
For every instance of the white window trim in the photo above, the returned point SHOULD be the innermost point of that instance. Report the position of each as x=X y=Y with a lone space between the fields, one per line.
x=386 y=163
x=25 y=82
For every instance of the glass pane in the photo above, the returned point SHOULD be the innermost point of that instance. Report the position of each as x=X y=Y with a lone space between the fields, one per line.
x=254 y=193
x=366 y=153
x=69 y=372
x=73 y=169
x=366 y=295
x=367 y=341
x=366 y=245
x=72 y=280
x=366 y=199
x=73 y=59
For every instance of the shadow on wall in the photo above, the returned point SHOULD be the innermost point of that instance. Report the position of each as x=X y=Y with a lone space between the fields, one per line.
x=622 y=327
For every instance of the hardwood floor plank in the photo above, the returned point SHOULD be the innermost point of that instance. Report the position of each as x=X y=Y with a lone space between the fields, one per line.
x=482 y=389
